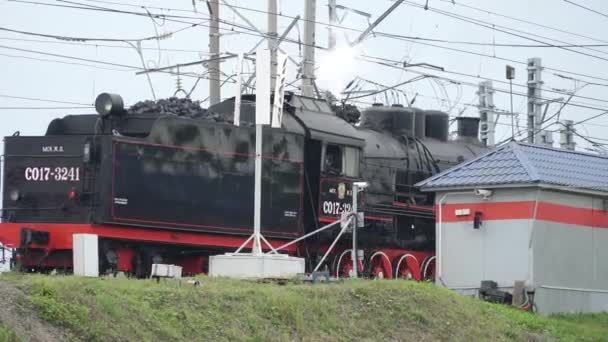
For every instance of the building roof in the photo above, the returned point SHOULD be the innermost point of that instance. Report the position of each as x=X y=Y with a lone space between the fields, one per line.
x=521 y=164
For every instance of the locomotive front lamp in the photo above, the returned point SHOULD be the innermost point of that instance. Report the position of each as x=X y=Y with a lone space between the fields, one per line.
x=109 y=104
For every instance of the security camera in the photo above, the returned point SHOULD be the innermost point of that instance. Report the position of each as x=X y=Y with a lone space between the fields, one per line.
x=361 y=185
x=484 y=193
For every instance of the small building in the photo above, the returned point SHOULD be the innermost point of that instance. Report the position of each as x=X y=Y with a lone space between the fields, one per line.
x=526 y=213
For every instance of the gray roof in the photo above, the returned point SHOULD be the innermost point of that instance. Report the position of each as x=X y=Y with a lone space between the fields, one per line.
x=519 y=163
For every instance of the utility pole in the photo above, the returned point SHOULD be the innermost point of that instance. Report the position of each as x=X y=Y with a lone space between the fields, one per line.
x=308 y=64
x=333 y=20
x=567 y=135
x=214 y=50
x=510 y=73
x=272 y=40
x=486 y=112
x=534 y=95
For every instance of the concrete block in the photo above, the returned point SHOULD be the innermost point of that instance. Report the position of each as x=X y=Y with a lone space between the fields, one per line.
x=85 y=255
x=249 y=266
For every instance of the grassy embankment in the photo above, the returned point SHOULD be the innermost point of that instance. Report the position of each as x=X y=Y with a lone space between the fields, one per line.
x=221 y=309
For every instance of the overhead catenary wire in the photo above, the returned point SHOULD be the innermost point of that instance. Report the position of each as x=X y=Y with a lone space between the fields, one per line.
x=388 y=64
x=497 y=81
x=87 y=39
x=297 y=42
x=331 y=25
x=486 y=11
x=587 y=8
x=92 y=60
x=169 y=18
x=100 y=8
x=500 y=28
x=63 y=62
x=257 y=34
x=99 y=45
x=16 y=97
x=43 y=108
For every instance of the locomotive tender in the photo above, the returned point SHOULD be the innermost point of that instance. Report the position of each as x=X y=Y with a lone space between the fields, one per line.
x=159 y=187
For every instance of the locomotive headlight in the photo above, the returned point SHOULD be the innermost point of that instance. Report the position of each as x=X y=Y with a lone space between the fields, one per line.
x=109 y=104
x=15 y=195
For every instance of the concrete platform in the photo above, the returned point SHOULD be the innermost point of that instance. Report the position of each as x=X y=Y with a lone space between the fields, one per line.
x=249 y=266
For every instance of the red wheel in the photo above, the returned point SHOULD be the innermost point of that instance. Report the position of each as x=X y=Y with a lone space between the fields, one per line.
x=407 y=267
x=380 y=266
x=428 y=269
x=344 y=266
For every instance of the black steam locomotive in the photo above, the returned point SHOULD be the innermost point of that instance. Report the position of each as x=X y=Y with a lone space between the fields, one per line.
x=172 y=182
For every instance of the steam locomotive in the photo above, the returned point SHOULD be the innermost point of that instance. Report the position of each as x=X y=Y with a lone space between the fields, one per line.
x=158 y=185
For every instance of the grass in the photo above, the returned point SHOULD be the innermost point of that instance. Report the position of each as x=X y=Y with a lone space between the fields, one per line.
x=229 y=310
x=7 y=334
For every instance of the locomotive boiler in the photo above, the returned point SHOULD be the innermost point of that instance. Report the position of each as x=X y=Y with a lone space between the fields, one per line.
x=170 y=182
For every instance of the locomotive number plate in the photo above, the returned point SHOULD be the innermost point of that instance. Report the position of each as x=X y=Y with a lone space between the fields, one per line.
x=335 y=208
x=58 y=174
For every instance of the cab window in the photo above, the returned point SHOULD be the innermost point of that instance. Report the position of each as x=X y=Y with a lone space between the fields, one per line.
x=341 y=160
x=351 y=162
x=333 y=159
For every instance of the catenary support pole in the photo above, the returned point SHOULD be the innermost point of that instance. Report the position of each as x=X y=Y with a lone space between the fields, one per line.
x=214 y=50
x=308 y=63
x=535 y=134
x=333 y=20
x=486 y=112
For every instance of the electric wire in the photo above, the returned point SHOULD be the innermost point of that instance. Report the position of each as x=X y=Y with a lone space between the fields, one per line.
x=587 y=8
x=264 y=36
x=240 y=26
x=99 y=45
x=500 y=81
x=486 y=11
x=43 y=108
x=16 y=97
x=63 y=62
x=266 y=12
x=500 y=28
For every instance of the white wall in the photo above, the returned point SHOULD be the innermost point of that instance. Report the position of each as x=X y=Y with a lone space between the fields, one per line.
x=498 y=251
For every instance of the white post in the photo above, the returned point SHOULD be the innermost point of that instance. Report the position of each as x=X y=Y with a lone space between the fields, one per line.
x=262 y=117
x=239 y=90
x=272 y=40
x=308 y=63
x=214 y=50
x=257 y=216
x=354 y=223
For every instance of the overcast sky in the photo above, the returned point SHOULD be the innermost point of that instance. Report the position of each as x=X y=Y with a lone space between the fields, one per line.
x=24 y=76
